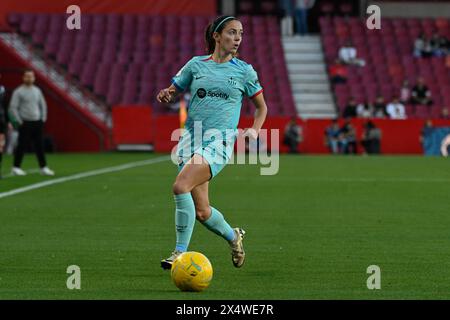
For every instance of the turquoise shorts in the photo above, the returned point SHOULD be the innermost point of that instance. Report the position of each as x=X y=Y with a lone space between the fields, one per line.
x=216 y=153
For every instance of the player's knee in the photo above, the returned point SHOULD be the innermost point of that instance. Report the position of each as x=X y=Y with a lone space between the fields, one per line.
x=180 y=187
x=203 y=213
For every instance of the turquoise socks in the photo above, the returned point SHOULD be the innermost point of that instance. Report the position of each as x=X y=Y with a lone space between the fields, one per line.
x=217 y=224
x=184 y=220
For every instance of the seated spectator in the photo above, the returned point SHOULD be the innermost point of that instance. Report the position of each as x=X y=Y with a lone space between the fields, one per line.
x=405 y=92
x=445 y=114
x=438 y=45
x=420 y=94
x=332 y=133
x=419 y=46
x=293 y=135
x=350 y=109
x=347 y=139
x=371 y=138
x=338 y=72
x=379 y=108
x=395 y=109
x=364 y=110
x=348 y=53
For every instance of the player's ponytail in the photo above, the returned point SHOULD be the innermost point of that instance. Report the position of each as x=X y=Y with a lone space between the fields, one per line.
x=210 y=42
x=217 y=26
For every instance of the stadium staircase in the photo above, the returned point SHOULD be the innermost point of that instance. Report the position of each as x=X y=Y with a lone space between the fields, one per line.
x=57 y=76
x=308 y=77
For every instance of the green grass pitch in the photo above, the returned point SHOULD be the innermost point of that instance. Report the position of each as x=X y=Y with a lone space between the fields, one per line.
x=312 y=229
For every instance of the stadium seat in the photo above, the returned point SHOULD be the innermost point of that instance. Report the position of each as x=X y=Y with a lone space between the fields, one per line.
x=389 y=59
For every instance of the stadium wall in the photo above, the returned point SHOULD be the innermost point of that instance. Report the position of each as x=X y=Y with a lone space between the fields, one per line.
x=178 y=7
x=398 y=136
x=71 y=129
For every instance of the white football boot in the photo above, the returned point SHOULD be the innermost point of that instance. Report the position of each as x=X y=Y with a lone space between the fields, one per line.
x=45 y=171
x=16 y=171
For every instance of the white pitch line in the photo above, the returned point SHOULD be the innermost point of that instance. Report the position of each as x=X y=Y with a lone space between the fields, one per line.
x=83 y=175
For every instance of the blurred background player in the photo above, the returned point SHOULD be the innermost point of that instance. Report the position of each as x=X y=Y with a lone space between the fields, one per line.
x=3 y=124
x=29 y=110
x=218 y=83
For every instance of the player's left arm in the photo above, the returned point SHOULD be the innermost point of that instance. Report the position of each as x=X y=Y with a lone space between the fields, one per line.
x=260 y=116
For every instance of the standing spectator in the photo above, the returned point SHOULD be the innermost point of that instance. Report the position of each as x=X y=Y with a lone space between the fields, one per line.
x=3 y=124
x=420 y=94
x=379 y=108
x=364 y=110
x=301 y=15
x=445 y=114
x=371 y=138
x=425 y=133
x=293 y=135
x=338 y=72
x=287 y=22
x=395 y=109
x=29 y=109
x=348 y=138
x=332 y=133
x=405 y=92
x=348 y=53
x=350 y=109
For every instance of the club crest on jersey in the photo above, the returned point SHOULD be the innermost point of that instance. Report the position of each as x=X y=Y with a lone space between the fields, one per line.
x=232 y=82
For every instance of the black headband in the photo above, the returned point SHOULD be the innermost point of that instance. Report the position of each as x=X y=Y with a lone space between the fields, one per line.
x=219 y=22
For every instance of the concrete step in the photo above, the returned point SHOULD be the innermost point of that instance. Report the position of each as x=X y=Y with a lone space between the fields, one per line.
x=302 y=56
x=298 y=77
x=311 y=87
x=306 y=46
x=311 y=67
x=315 y=107
x=289 y=46
x=316 y=115
x=296 y=38
x=313 y=97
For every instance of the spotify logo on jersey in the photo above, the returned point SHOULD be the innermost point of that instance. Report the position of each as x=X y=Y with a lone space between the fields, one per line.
x=201 y=93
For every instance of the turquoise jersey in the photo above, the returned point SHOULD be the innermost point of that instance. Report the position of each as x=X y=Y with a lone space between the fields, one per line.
x=217 y=90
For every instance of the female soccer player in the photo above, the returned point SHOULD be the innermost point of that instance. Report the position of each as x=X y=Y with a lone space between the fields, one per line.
x=217 y=82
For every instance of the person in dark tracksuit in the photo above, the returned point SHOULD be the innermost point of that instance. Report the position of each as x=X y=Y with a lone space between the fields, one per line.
x=29 y=110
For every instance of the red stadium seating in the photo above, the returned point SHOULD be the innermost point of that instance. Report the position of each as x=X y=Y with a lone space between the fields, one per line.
x=389 y=56
x=126 y=59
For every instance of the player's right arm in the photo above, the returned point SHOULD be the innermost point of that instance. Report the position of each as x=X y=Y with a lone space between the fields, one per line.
x=167 y=95
x=180 y=82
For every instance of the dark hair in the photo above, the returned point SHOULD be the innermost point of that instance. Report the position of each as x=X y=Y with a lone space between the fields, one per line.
x=28 y=70
x=218 y=24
